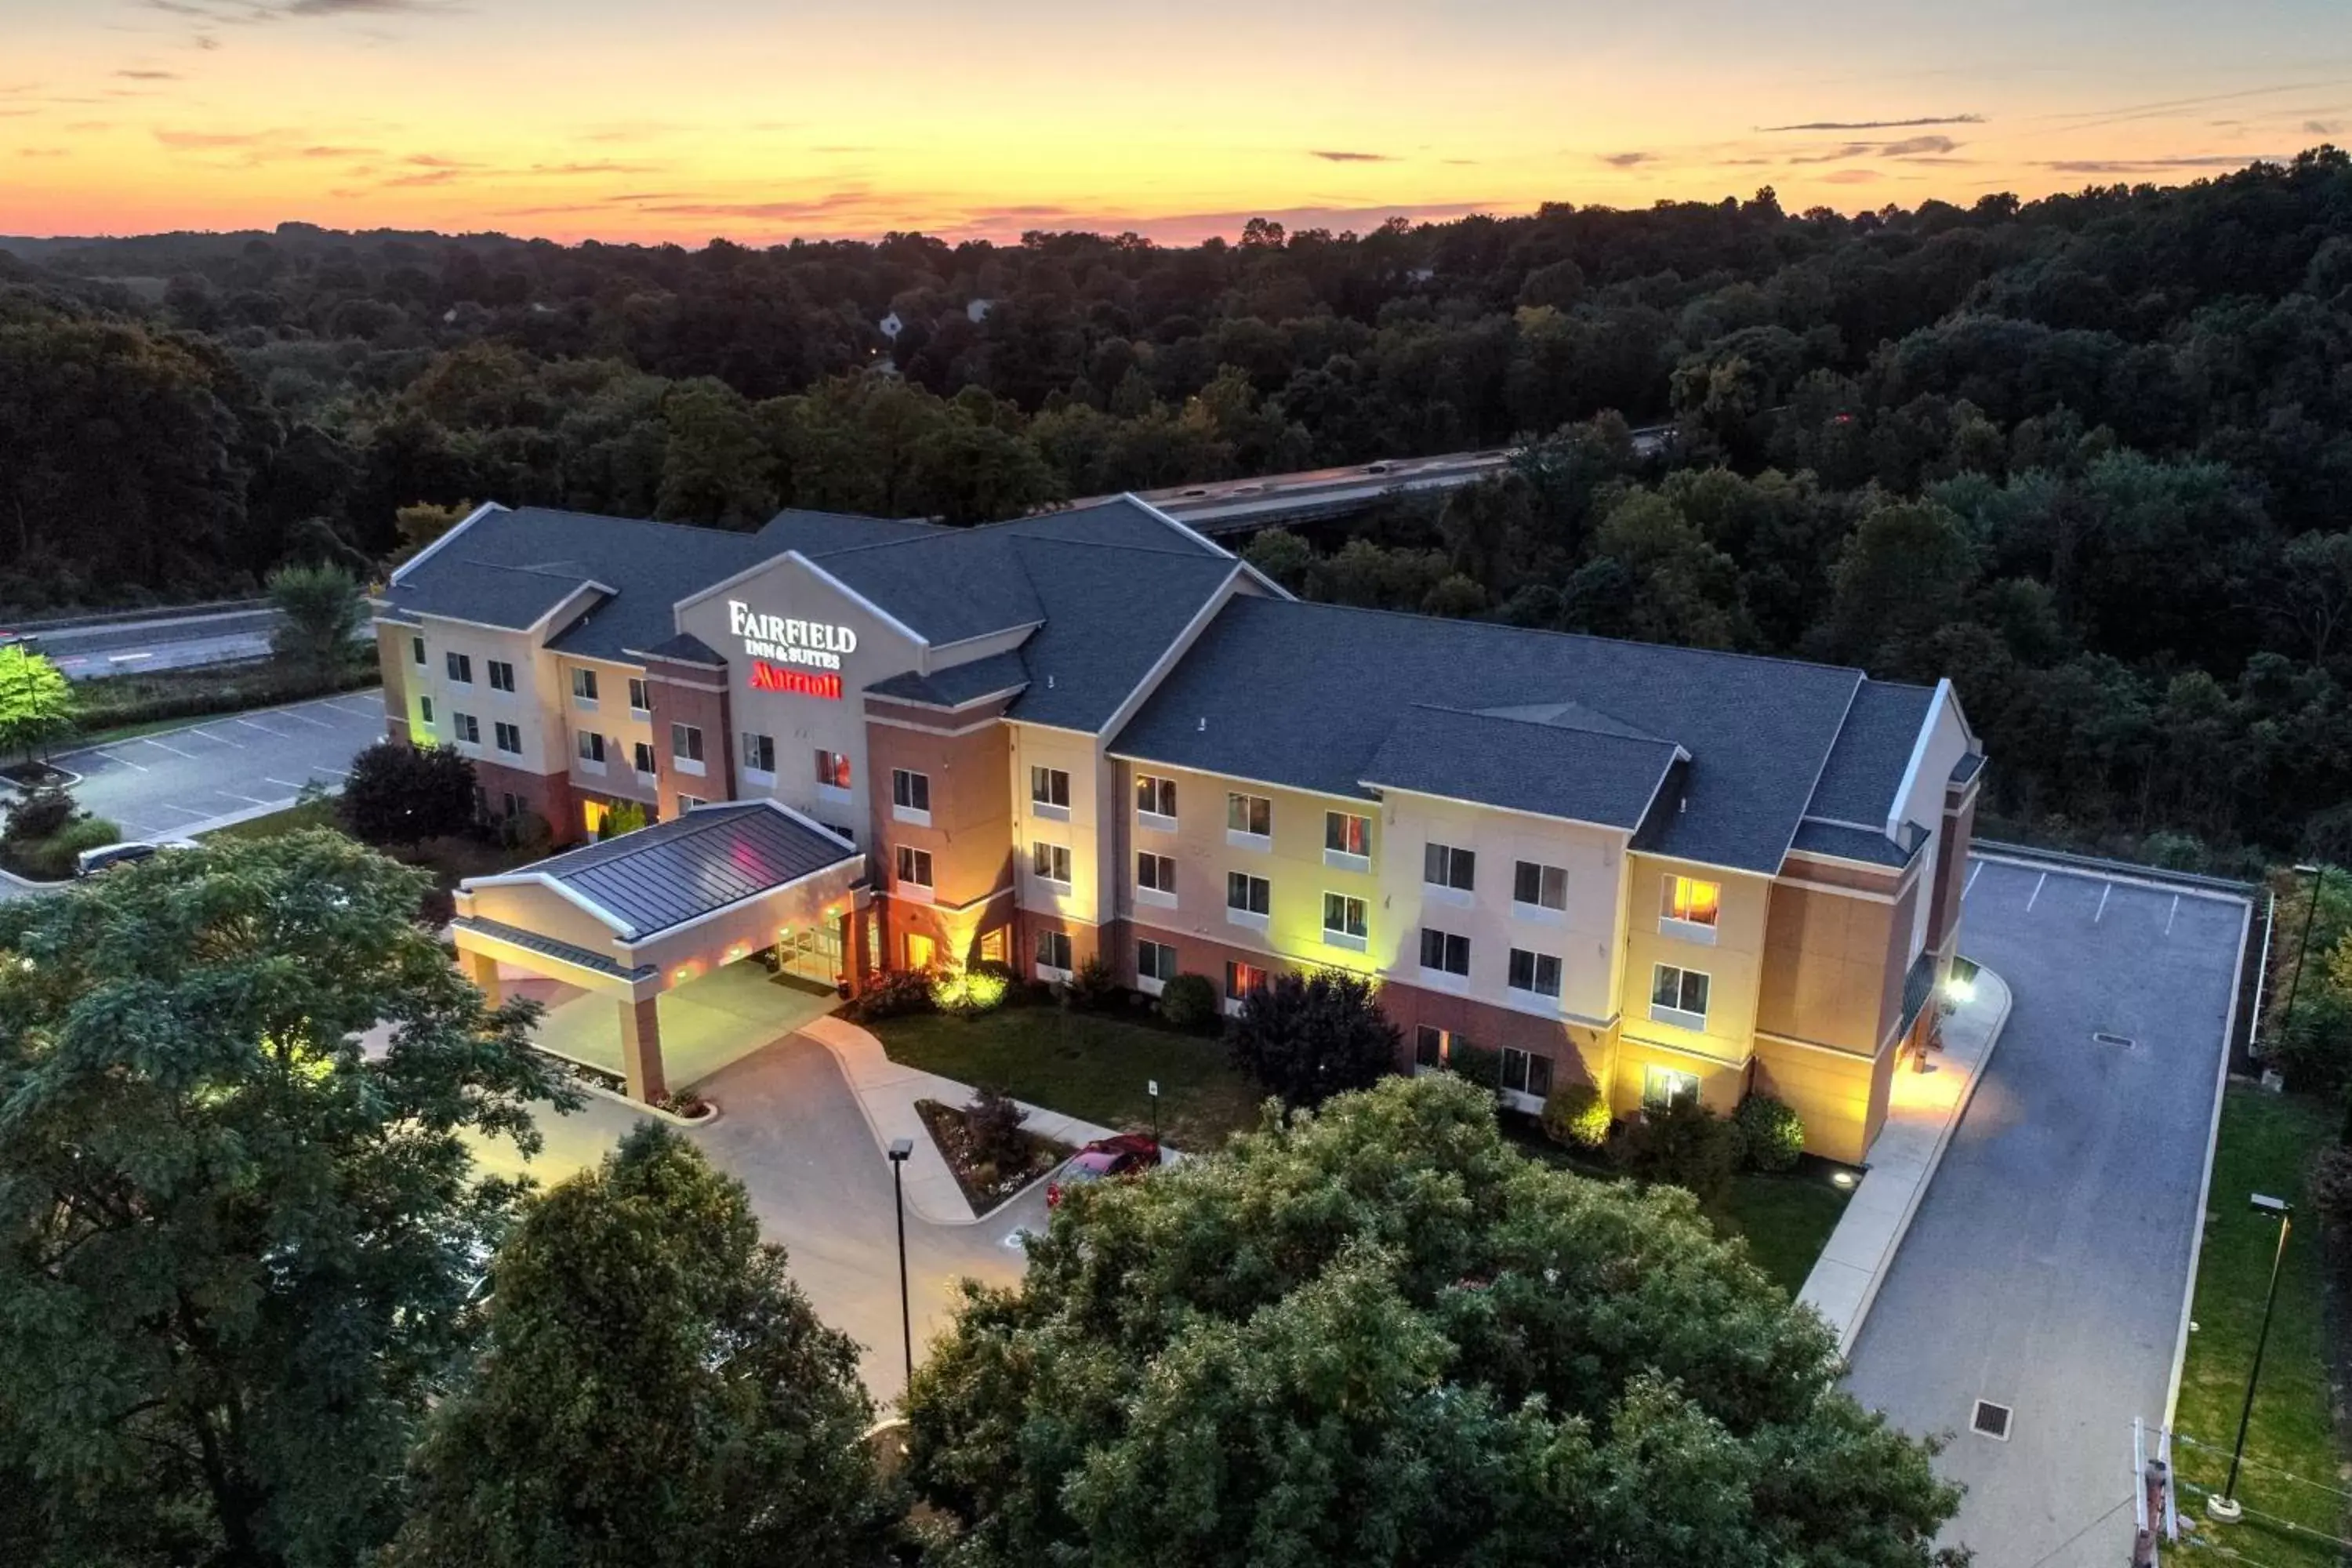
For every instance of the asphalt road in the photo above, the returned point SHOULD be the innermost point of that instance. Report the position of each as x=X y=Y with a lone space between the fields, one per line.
x=2047 y=1267
x=173 y=782
x=162 y=642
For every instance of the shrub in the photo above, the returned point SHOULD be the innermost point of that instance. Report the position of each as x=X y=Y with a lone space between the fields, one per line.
x=52 y=858
x=1684 y=1144
x=1310 y=1037
x=1091 y=986
x=2329 y=1186
x=405 y=794
x=992 y=1120
x=1476 y=1063
x=1770 y=1135
x=40 y=814
x=890 y=993
x=968 y=992
x=1189 y=1001
x=1576 y=1115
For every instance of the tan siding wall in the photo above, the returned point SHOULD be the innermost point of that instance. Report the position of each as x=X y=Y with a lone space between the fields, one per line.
x=1826 y=956
x=1733 y=962
x=1840 y=1097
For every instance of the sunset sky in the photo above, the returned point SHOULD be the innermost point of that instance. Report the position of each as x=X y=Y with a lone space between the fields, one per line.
x=763 y=119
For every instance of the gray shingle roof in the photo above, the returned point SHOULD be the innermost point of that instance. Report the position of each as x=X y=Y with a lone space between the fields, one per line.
x=815 y=533
x=1552 y=769
x=1874 y=748
x=1968 y=767
x=1307 y=695
x=713 y=856
x=1111 y=613
x=686 y=648
x=1863 y=844
x=957 y=684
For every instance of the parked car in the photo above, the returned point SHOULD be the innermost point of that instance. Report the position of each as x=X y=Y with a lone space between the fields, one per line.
x=1128 y=1154
x=107 y=857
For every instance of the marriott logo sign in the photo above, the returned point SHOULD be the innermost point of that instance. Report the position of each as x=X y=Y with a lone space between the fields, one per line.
x=814 y=644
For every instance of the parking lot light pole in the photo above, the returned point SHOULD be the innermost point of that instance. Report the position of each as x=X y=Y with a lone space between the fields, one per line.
x=2318 y=875
x=2226 y=1507
x=900 y=1149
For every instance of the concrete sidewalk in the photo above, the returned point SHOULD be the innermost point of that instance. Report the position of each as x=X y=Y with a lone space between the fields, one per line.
x=887 y=1091
x=1923 y=1109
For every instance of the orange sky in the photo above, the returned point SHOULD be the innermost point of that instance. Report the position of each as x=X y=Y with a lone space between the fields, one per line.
x=759 y=120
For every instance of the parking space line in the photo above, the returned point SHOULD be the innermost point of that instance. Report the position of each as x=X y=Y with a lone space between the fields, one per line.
x=354 y=712
x=263 y=728
x=247 y=799
x=2037 y=891
x=322 y=768
x=289 y=783
x=2169 y=913
x=1974 y=872
x=2105 y=888
x=224 y=739
x=184 y=811
x=126 y=762
x=150 y=740
x=305 y=718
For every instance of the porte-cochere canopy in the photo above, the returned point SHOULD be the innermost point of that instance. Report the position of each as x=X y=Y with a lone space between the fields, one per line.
x=631 y=917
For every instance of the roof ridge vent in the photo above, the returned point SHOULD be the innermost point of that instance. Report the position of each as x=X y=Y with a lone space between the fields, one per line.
x=1204 y=726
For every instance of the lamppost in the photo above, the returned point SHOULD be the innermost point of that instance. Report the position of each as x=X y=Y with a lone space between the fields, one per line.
x=900 y=1149
x=2226 y=1507
x=2318 y=874
x=1151 y=1087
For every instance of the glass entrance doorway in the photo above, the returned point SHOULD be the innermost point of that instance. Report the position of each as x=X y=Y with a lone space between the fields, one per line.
x=811 y=952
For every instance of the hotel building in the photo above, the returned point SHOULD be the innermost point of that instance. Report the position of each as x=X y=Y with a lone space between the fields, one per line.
x=1094 y=733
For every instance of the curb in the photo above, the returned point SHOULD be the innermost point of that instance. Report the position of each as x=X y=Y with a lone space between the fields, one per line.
x=640 y=1107
x=29 y=885
x=1851 y=1332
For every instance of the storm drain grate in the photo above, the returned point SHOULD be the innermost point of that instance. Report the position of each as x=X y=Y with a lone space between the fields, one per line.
x=1991 y=1420
x=2122 y=1042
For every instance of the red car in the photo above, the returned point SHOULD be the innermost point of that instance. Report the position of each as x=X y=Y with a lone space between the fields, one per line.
x=1128 y=1154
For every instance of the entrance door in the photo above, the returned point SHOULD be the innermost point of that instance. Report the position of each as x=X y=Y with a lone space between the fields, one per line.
x=811 y=953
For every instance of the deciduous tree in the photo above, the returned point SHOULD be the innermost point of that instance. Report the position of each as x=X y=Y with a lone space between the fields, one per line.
x=1310 y=1037
x=405 y=794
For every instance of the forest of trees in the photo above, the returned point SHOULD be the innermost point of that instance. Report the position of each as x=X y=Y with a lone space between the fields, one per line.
x=2091 y=457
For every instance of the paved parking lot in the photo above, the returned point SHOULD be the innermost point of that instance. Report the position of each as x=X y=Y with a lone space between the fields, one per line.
x=2047 y=1267
x=164 y=784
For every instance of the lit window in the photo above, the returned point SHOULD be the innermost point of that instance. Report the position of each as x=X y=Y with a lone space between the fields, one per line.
x=460 y=667
x=1679 y=990
x=1539 y=885
x=1245 y=894
x=501 y=674
x=1347 y=833
x=758 y=753
x=1050 y=862
x=1692 y=901
x=1443 y=866
x=914 y=866
x=1053 y=950
x=583 y=685
x=1155 y=796
x=638 y=699
x=1155 y=960
x=1157 y=872
x=1538 y=973
x=507 y=736
x=1241 y=979
x=910 y=790
x=1344 y=920
x=1251 y=814
x=832 y=769
x=1049 y=787
x=1445 y=952
x=591 y=748
x=686 y=743
x=1665 y=1087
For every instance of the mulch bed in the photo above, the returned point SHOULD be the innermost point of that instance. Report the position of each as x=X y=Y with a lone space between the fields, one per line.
x=34 y=775
x=984 y=1189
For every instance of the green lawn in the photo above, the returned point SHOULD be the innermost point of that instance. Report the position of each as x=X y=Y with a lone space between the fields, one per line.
x=1786 y=1219
x=2267 y=1142
x=1085 y=1064
x=319 y=812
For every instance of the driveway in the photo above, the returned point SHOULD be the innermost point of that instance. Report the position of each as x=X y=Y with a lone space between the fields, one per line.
x=791 y=1131
x=161 y=786
x=2047 y=1267
x=706 y=1023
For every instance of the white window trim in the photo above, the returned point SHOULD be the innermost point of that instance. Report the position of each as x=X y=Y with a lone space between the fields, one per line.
x=1046 y=811
x=1444 y=893
x=909 y=815
x=688 y=766
x=912 y=893
x=1248 y=920
x=1152 y=822
x=1261 y=843
x=1150 y=984
x=1342 y=860
x=1064 y=883
x=1539 y=914
x=1047 y=971
x=759 y=776
x=1695 y=1022
x=1354 y=943
x=1155 y=896
x=587 y=765
x=1446 y=979
x=831 y=794
x=1686 y=931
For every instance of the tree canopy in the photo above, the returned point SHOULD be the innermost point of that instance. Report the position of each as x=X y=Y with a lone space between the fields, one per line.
x=1377 y=1333
x=1307 y=1037
x=398 y=794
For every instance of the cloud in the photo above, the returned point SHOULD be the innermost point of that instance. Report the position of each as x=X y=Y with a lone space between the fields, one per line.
x=844 y=147
x=1835 y=155
x=1879 y=124
x=1627 y=160
x=2322 y=126
x=605 y=167
x=1352 y=157
x=192 y=141
x=425 y=177
x=434 y=161
x=2155 y=165
x=766 y=212
x=1913 y=146
x=41 y=153
x=206 y=42
x=371 y=8
x=148 y=75
x=1852 y=177
x=332 y=151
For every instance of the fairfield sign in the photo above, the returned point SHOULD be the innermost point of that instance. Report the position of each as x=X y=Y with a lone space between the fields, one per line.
x=813 y=645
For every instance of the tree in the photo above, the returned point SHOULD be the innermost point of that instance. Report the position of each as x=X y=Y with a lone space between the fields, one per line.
x=319 y=613
x=422 y=523
x=405 y=794
x=654 y=1391
x=240 y=1242
x=37 y=703
x=1378 y=1333
x=1308 y=1037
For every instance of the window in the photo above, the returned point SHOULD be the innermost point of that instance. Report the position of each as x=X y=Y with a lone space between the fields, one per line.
x=1539 y=886
x=1155 y=873
x=425 y=708
x=1054 y=951
x=644 y=756
x=591 y=747
x=1428 y=1047
x=1241 y=979
x=1348 y=835
x=467 y=730
x=921 y=951
x=1678 y=996
x=583 y=685
x=1155 y=796
x=1692 y=902
x=639 y=701
x=1663 y=1087
x=416 y=649
x=687 y=802
x=507 y=736
x=1535 y=971
x=501 y=674
x=1443 y=866
x=758 y=753
x=1049 y=790
x=1445 y=952
x=460 y=667
x=685 y=744
x=1248 y=895
x=1524 y=1072
x=1250 y=814
x=914 y=866
x=910 y=790
x=833 y=770
x=1050 y=862
x=510 y=803
x=1344 y=921
x=1155 y=960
